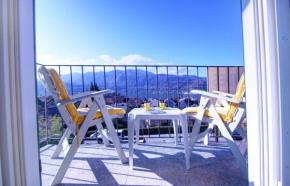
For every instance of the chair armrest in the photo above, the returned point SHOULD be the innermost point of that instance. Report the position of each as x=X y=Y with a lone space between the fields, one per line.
x=209 y=94
x=82 y=94
x=91 y=95
x=223 y=93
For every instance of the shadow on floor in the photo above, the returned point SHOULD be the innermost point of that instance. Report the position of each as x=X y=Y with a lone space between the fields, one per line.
x=154 y=164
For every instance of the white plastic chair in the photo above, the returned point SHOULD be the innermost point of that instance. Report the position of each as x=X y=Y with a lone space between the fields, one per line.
x=227 y=119
x=79 y=120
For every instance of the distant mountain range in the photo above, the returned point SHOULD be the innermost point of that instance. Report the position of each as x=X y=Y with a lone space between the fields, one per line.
x=120 y=83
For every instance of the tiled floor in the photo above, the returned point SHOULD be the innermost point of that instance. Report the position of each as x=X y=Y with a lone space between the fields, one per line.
x=154 y=164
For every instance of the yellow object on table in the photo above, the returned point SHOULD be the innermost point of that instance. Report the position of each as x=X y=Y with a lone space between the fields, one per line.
x=162 y=106
x=146 y=106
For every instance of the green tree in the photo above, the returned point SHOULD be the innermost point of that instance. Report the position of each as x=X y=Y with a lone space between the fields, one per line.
x=56 y=122
x=94 y=87
x=39 y=107
x=41 y=127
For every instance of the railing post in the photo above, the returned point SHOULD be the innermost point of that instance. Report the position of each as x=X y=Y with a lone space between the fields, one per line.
x=126 y=84
x=187 y=86
x=197 y=78
x=168 y=97
x=216 y=128
x=136 y=77
x=83 y=79
x=105 y=83
x=115 y=86
x=147 y=84
x=71 y=81
x=45 y=116
x=177 y=87
x=61 y=118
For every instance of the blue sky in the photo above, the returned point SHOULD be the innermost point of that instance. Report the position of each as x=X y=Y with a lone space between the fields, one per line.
x=173 y=32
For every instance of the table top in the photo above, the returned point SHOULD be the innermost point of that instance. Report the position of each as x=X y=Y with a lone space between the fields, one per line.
x=155 y=112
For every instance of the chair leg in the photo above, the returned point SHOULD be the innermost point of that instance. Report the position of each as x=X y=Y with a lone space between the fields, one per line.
x=62 y=145
x=206 y=139
x=100 y=129
x=175 y=129
x=194 y=134
x=108 y=120
x=184 y=126
x=131 y=126
x=67 y=159
x=235 y=150
x=74 y=146
x=115 y=140
x=227 y=135
x=207 y=136
x=137 y=130
x=242 y=132
x=197 y=124
x=243 y=145
x=114 y=136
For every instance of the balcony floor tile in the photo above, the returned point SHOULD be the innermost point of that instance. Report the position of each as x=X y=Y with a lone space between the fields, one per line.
x=154 y=164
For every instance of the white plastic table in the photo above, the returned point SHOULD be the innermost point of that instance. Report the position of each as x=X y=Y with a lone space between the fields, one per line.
x=174 y=114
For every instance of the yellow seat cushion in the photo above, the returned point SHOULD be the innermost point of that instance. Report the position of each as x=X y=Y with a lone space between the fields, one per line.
x=221 y=111
x=98 y=114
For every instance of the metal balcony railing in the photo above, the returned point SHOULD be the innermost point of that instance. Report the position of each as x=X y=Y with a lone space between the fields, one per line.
x=133 y=85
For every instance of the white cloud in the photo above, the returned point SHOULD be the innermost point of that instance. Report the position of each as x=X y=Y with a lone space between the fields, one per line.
x=49 y=59
x=106 y=58
x=133 y=59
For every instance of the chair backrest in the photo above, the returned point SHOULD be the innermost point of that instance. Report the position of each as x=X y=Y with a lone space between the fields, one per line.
x=238 y=96
x=58 y=90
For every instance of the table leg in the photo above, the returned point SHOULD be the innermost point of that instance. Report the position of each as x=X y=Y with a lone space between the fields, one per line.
x=175 y=128
x=137 y=130
x=131 y=139
x=183 y=120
